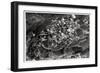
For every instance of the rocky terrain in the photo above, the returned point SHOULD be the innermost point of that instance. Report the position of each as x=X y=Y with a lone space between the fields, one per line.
x=56 y=36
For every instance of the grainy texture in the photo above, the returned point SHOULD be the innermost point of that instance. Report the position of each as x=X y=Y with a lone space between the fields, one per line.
x=56 y=36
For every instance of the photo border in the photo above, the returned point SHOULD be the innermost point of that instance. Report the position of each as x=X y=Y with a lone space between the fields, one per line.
x=14 y=35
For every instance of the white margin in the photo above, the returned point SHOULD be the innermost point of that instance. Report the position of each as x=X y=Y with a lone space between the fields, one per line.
x=48 y=63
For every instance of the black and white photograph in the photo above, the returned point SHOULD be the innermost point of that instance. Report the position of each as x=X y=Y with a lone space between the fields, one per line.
x=52 y=36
